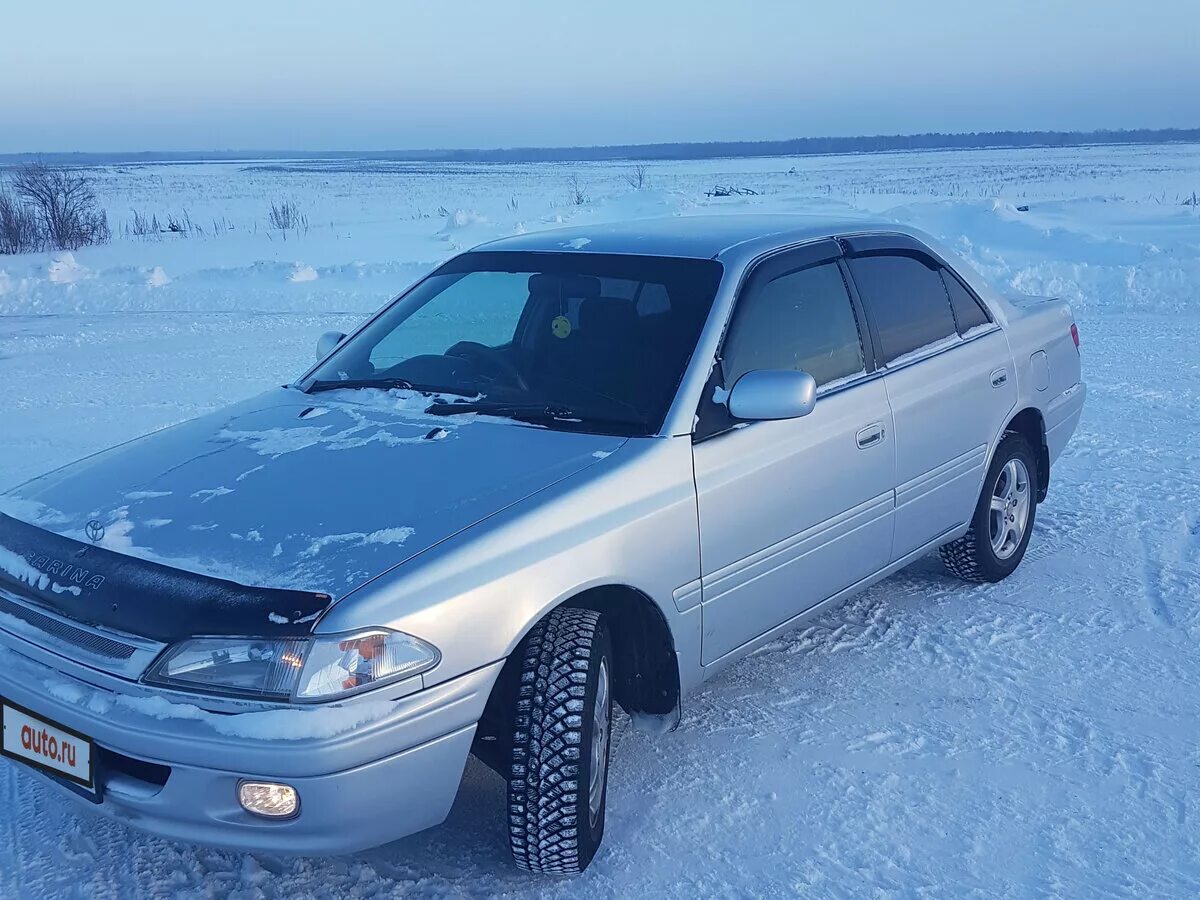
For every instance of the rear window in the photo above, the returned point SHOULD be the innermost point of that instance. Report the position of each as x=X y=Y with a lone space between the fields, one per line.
x=907 y=300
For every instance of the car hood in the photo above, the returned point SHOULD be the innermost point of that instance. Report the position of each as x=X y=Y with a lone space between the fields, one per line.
x=304 y=492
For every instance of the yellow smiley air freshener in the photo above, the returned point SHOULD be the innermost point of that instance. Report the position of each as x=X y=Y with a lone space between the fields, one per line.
x=560 y=327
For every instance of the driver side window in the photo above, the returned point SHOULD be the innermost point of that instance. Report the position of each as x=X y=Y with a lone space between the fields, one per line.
x=800 y=320
x=483 y=307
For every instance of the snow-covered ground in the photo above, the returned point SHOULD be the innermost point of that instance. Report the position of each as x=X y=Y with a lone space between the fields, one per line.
x=1036 y=737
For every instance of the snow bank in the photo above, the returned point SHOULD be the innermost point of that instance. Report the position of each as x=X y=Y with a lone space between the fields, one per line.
x=1136 y=260
x=460 y=219
x=303 y=273
x=64 y=270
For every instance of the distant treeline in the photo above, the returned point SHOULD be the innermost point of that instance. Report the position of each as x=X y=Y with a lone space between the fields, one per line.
x=812 y=146
x=817 y=146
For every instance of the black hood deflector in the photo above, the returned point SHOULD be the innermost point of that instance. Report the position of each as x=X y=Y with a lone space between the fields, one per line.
x=97 y=586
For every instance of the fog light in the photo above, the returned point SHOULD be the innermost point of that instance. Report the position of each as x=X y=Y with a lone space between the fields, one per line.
x=275 y=801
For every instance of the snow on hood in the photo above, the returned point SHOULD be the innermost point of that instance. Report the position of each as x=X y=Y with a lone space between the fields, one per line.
x=314 y=492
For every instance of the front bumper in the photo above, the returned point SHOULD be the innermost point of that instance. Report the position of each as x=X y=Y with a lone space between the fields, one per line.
x=367 y=773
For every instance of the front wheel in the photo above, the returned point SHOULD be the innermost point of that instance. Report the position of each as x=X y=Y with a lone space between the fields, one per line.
x=558 y=780
x=1003 y=521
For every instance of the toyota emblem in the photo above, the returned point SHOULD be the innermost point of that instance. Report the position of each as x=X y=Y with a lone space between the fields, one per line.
x=94 y=530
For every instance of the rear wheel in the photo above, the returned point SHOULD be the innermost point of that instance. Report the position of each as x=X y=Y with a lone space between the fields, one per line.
x=558 y=781
x=1003 y=521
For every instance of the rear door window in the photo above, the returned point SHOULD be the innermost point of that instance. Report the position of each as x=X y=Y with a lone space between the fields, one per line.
x=906 y=299
x=967 y=311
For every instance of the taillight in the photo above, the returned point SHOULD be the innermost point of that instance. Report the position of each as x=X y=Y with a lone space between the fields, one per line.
x=1075 y=335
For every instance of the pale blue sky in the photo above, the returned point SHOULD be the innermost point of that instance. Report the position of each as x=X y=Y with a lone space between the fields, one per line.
x=353 y=74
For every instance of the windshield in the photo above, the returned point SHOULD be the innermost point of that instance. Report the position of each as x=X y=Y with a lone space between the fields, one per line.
x=587 y=341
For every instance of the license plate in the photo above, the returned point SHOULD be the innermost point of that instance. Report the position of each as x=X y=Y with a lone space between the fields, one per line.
x=44 y=745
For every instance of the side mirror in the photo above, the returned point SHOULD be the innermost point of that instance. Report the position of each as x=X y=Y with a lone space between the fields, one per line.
x=327 y=342
x=773 y=394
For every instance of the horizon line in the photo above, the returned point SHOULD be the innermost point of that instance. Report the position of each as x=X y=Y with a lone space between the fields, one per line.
x=795 y=146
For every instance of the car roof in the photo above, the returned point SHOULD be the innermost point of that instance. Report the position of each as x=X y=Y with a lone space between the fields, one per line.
x=701 y=237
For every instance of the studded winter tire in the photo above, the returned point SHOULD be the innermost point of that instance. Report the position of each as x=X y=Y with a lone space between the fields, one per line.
x=558 y=780
x=1003 y=521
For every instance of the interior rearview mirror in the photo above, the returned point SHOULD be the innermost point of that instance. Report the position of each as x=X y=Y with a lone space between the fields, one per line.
x=773 y=394
x=327 y=342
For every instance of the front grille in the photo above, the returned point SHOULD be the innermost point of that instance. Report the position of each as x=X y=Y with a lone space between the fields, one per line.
x=88 y=641
x=105 y=649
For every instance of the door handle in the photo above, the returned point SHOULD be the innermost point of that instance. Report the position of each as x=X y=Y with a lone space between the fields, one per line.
x=999 y=378
x=869 y=436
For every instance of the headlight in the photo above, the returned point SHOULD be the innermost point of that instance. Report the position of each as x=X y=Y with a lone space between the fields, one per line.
x=345 y=664
x=306 y=670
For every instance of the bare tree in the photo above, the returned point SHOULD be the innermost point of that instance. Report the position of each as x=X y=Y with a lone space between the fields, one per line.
x=19 y=230
x=64 y=204
x=577 y=195
x=636 y=177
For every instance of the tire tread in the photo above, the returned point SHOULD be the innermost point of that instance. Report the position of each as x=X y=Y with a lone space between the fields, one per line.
x=545 y=780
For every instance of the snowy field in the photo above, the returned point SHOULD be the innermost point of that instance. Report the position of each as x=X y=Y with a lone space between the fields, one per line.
x=1033 y=738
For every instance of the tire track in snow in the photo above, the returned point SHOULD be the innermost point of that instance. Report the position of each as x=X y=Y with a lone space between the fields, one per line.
x=1167 y=571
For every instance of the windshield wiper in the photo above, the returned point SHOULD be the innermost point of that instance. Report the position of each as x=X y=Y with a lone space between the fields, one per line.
x=383 y=384
x=495 y=408
x=537 y=413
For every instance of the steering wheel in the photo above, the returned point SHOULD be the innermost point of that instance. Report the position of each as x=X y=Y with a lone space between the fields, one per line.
x=490 y=359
